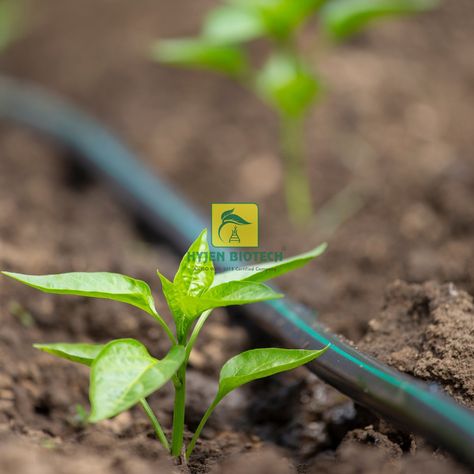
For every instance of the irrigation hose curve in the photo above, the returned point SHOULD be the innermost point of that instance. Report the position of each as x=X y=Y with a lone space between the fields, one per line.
x=410 y=404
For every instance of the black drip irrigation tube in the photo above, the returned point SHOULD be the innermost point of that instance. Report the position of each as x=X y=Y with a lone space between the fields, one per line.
x=410 y=404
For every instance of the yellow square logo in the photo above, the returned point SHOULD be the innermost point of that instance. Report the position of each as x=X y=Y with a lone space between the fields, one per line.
x=234 y=224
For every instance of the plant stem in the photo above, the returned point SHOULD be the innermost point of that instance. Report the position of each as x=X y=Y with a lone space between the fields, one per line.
x=156 y=425
x=162 y=323
x=297 y=188
x=180 y=389
x=200 y=427
x=178 y=413
x=197 y=329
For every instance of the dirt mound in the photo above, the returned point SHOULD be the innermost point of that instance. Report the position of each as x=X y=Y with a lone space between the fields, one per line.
x=427 y=331
x=19 y=456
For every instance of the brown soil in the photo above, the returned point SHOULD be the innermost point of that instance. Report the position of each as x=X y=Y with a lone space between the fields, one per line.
x=427 y=331
x=396 y=125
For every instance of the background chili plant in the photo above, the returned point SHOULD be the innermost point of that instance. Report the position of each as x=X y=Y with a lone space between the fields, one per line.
x=286 y=80
x=123 y=373
x=10 y=20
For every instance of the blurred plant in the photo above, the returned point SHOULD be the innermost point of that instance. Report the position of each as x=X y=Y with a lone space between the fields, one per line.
x=10 y=13
x=123 y=373
x=285 y=81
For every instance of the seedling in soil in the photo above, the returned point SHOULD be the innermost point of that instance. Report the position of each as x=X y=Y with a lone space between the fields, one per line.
x=286 y=80
x=123 y=373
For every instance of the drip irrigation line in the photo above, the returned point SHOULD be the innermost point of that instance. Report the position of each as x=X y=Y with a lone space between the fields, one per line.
x=409 y=403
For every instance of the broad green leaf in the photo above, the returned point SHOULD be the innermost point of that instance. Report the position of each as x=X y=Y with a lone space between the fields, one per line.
x=281 y=17
x=196 y=270
x=259 y=363
x=170 y=294
x=287 y=85
x=249 y=366
x=77 y=352
x=233 y=24
x=228 y=294
x=267 y=271
x=194 y=276
x=201 y=53
x=112 y=286
x=342 y=18
x=124 y=373
x=173 y=298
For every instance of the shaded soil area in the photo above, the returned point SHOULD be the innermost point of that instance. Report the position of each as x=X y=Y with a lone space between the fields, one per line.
x=396 y=126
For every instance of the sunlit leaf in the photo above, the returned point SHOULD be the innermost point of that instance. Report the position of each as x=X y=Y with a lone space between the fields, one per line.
x=194 y=276
x=124 y=373
x=342 y=18
x=201 y=53
x=228 y=294
x=77 y=352
x=268 y=270
x=259 y=363
x=280 y=17
x=252 y=365
x=287 y=85
x=233 y=24
x=112 y=286
x=196 y=270
x=173 y=299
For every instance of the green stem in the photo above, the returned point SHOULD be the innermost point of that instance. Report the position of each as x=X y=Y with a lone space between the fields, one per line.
x=200 y=427
x=197 y=329
x=156 y=425
x=178 y=413
x=162 y=323
x=297 y=186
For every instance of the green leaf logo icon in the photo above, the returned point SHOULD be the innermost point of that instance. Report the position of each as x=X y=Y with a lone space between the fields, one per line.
x=228 y=217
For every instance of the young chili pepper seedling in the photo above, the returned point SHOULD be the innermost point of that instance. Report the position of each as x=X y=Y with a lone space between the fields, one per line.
x=286 y=80
x=124 y=374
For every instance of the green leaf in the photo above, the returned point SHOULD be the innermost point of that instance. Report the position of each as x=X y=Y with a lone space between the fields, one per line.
x=281 y=17
x=267 y=271
x=124 y=373
x=235 y=219
x=284 y=16
x=228 y=294
x=259 y=363
x=253 y=365
x=201 y=53
x=287 y=85
x=196 y=270
x=112 y=286
x=342 y=18
x=77 y=352
x=233 y=24
x=194 y=276
x=173 y=298
x=10 y=20
x=227 y=213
